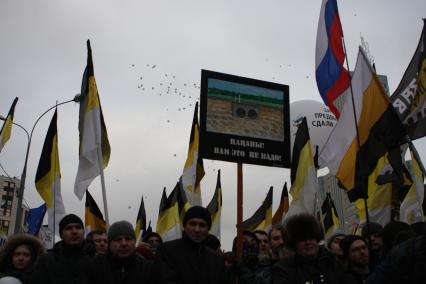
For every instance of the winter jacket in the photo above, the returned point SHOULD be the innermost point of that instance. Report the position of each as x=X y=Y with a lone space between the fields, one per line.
x=6 y=267
x=185 y=261
x=63 y=264
x=297 y=269
x=108 y=269
x=405 y=263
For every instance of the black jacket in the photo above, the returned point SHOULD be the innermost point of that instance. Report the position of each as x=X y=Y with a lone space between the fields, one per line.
x=107 y=269
x=63 y=264
x=322 y=269
x=184 y=261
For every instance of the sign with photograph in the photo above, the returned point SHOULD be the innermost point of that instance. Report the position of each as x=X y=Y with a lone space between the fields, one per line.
x=244 y=120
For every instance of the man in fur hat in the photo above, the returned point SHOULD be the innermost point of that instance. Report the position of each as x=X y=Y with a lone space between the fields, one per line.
x=311 y=263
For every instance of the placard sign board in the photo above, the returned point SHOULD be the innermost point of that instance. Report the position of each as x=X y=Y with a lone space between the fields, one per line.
x=244 y=120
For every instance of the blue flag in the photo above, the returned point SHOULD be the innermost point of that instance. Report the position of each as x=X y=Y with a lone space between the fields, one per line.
x=35 y=219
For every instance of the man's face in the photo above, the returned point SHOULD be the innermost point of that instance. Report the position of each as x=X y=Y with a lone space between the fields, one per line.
x=263 y=243
x=154 y=241
x=358 y=254
x=376 y=242
x=307 y=248
x=276 y=239
x=21 y=257
x=196 y=229
x=73 y=234
x=101 y=243
x=122 y=246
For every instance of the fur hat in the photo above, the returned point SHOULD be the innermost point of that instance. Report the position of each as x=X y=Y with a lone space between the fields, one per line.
x=302 y=227
x=198 y=212
x=69 y=219
x=14 y=241
x=121 y=228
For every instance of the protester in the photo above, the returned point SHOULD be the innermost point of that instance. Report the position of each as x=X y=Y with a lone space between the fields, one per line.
x=18 y=255
x=120 y=264
x=213 y=243
x=99 y=238
x=154 y=240
x=333 y=243
x=405 y=263
x=188 y=260
x=264 y=247
x=355 y=252
x=64 y=263
x=390 y=231
x=311 y=263
x=375 y=231
x=249 y=268
x=276 y=242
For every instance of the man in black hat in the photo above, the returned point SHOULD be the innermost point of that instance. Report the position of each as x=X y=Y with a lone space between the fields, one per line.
x=311 y=263
x=355 y=252
x=121 y=263
x=64 y=263
x=188 y=260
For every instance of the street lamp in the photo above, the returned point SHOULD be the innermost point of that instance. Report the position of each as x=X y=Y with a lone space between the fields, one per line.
x=20 y=193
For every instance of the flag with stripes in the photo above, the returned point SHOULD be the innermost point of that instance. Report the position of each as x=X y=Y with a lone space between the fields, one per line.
x=93 y=219
x=330 y=218
x=6 y=129
x=378 y=130
x=193 y=170
x=262 y=218
x=48 y=177
x=409 y=98
x=332 y=78
x=411 y=210
x=215 y=208
x=140 y=220
x=304 y=182
x=278 y=218
x=93 y=133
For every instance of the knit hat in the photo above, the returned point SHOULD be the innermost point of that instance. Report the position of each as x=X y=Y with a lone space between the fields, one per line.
x=347 y=241
x=337 y=233
x=373 y=228
x=302 y=227
x=198 y=212
x=69 y=219
x=121 y=228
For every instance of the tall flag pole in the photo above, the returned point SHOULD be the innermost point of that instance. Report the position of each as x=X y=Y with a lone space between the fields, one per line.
x=48 y=177
x=332 y=77
x=140 y=220
x=409 y=99
x=215 y=208
x=94 y=145
x=304 y=182
x=193 y=170
x=93 y=219
x=278 y=218
x=262 y=218
x=6 y=129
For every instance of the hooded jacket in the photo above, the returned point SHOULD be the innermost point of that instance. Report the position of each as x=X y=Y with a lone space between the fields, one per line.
x=6 y=267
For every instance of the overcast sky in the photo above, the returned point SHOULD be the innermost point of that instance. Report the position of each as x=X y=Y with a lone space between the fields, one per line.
x=140 y=48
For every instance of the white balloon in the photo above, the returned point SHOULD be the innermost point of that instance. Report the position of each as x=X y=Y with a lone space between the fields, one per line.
x=319 y=118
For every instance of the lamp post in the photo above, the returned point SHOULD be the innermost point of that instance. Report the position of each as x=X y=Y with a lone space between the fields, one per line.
x=20 y=193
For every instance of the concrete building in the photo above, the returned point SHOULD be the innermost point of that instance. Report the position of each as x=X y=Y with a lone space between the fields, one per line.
x=8 y=204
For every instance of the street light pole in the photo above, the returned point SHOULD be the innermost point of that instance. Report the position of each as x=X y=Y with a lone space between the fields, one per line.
x=20 y=193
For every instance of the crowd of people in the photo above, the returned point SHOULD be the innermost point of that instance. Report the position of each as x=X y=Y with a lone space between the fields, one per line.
x=296 y=252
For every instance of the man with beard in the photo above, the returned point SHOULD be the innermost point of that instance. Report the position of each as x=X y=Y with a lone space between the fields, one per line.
x=188 y=260
x=355 y=251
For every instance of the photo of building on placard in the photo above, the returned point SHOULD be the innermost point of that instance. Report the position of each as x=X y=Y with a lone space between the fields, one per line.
x=244 y=120
x=244 y=110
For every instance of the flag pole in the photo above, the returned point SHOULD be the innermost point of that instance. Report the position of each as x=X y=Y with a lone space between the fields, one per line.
x=54 y=191
x=365 y=186
x=239 y=210
x=101 y=169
